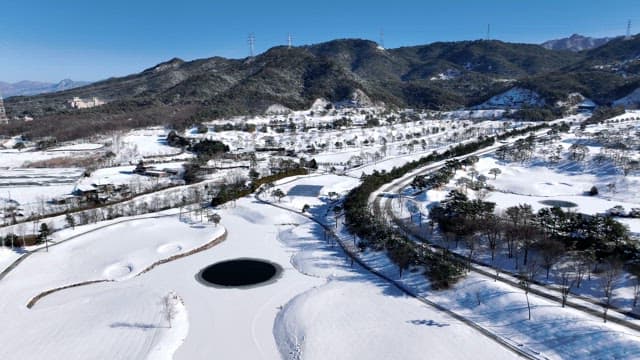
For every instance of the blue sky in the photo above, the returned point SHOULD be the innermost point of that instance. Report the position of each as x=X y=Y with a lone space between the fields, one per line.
x=48 y=40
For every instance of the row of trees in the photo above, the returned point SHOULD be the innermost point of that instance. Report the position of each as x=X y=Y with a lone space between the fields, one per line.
x=373 y=232
x=583 y=242
x=236 y=189
x=519 y=229
x=15 y=240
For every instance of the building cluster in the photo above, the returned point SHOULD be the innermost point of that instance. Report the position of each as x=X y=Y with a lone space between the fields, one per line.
x=78 y=103
x=93 y=193
x=103 y=192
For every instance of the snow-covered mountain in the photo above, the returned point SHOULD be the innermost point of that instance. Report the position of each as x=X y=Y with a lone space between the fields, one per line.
x=576 y=42
x=36 y=87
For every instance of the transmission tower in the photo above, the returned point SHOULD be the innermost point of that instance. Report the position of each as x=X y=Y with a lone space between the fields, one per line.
x=628 y=30
x=252 y=44
x=3 y=113
x=289 y=41
x=488 y=32
x=381 y=38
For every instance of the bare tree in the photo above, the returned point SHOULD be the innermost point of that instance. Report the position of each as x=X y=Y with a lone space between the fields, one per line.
x=608 y=282
x=449 y=238
x=567 y=281
x=278 y=194
x=71 y=221
x=473 y=173
x=492 y=230
x=527 y=275
x=169 y=307
x=636 y=290
x=550 y=252
x=22 y=232
x=581 y=266
x=472 y=243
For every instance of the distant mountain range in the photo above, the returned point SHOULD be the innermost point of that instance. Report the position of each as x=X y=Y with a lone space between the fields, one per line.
x=576 y=42
x=441 y=75
x=34 y=87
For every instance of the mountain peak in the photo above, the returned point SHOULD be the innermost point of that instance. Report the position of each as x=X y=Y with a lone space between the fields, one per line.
x=167 y=65
x=576 y=42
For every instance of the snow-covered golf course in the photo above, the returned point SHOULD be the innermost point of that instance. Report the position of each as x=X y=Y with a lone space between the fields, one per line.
x=321 y=307
x=131 y=287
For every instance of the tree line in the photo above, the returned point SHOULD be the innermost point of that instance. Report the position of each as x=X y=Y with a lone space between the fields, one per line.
x=442 y=269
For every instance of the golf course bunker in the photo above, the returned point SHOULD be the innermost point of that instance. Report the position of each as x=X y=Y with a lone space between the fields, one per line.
x=559 y=203
x=240 y=273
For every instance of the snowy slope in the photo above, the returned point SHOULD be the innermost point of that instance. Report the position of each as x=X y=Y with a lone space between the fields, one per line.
x=513 y=98
x=629 y=101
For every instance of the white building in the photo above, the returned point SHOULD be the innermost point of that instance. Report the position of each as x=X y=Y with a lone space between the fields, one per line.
x=78 y=103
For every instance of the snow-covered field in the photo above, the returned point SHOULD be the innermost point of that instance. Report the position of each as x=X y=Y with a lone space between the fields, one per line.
x=29 y=186
x=147 y=143
x=125 y=318
x=539 y=179
x=13 y=158
x=78 y=147
x=109 y=320
x=553 y=332
x=322 y=306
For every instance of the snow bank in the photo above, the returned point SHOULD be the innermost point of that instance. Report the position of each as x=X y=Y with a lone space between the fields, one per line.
x=170 y=340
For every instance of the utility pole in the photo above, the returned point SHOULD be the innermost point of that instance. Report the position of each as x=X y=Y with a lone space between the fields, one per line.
x=252 y=43
x=488 y=32
x=289 y=41
x=628 y=30
x=381 y=38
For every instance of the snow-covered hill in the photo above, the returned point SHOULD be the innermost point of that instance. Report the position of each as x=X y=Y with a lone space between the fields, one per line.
x=631 y=101
x=513 y=98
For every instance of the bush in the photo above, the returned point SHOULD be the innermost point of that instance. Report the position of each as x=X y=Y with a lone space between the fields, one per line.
x=46 y=143
x=175 y=140
x=191 y=173
x=206 y=149
x=202 y=129
x=593 y=191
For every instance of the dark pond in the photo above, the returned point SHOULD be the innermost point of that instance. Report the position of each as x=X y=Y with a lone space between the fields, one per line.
x=239 y=273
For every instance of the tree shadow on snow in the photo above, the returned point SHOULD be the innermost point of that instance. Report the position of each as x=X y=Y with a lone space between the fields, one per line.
x=427 y=323
x=317 y=240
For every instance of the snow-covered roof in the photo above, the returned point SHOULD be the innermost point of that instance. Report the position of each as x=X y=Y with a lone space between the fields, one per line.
x=85 y=188
x=587 y=103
